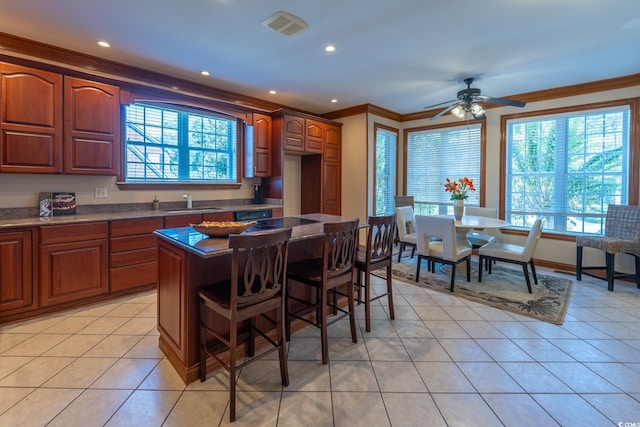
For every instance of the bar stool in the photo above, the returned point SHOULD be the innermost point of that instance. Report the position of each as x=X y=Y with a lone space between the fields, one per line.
x=326 y=275
x=256 y=288
x=378 y=253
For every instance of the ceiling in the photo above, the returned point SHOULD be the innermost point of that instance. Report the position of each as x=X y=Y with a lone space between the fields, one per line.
x=401 y=56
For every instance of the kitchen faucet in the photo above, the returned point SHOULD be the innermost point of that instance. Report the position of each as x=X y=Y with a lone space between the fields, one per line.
x=189 y=200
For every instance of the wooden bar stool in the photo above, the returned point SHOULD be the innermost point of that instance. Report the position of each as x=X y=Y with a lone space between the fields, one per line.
x=326 y=275
x=256 y=288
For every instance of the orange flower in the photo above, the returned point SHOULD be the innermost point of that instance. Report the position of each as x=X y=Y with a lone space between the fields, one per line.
x=459 y=188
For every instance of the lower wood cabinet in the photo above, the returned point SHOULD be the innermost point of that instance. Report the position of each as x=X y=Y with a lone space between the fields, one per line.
x=73 y=262
x=133 y=258
x=16 y=282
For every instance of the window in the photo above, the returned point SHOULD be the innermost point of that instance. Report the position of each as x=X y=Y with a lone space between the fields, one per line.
x=175 y=145
x=437 y=153
x=385 y=169
x=567 y=167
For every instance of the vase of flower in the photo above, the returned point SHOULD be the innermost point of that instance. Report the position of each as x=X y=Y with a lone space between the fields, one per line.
x=458 y=209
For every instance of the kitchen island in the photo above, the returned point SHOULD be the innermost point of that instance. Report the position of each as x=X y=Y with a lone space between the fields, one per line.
x=188 y=260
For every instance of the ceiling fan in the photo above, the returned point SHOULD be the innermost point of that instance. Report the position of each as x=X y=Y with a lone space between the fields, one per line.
x=468 y=102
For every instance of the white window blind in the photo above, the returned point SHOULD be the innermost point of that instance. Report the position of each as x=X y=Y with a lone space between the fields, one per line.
x=436 y=154
x=566 y=168
x=385 y=171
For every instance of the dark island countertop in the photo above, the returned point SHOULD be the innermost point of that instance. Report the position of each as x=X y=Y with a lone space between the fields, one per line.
x=304 y=226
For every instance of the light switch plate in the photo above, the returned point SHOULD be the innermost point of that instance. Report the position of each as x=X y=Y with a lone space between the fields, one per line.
x=101 y=193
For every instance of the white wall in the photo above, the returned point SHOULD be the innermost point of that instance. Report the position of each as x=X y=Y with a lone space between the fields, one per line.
x=291 y=184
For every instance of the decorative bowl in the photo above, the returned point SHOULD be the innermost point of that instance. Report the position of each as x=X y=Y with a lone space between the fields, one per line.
x=222 y=228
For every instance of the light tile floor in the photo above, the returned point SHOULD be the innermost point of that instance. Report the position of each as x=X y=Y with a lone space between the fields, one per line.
x=443 y=361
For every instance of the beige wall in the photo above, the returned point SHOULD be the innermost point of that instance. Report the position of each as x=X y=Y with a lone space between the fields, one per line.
x=360 y=136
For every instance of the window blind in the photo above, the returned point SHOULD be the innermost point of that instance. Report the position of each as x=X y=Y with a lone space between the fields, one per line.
x=385 y=171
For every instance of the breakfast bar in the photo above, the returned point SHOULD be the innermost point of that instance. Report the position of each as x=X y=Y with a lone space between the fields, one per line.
x=188 y=260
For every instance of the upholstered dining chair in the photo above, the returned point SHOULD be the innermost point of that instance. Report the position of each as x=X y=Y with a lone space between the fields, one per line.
x=437 y=243
x=256 y=288
x=515 y=254
x=621 y=236
x=325 y=275
x=406 y=230
x=479 y=238
x=378 y=253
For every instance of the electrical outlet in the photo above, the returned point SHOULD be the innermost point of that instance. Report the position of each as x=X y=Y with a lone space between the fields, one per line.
x=101 y=193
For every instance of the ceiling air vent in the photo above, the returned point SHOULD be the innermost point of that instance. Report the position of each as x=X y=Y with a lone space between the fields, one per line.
x=285 y=23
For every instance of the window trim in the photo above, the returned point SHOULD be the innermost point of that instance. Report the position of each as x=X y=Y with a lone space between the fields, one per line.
x=634 y=148
x=483 y=152
x=377 y=126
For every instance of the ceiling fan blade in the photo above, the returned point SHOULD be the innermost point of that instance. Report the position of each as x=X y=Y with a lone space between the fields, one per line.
x=502 y=101
x=445 y=111
x=441 y=103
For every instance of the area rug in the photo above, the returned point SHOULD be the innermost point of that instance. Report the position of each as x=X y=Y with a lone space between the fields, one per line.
x=504 y=288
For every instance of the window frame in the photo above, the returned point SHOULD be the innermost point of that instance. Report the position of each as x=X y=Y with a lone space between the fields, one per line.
x=482 y=161
x=376 y=127
x=634 y=152
x=242 y=119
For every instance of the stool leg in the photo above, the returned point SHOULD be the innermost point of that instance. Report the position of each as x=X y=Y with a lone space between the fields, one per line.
x=390 y=291
x=367 y=300
x=637 y=271
x=610 y=263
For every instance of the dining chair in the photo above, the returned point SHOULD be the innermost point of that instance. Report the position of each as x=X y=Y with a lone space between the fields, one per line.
x=327 y=275
x=478 y=238
x=621 y=236
x=256 y=288
x=378 y=253
x=406 y=230
x=438 y=243
x=515 y=254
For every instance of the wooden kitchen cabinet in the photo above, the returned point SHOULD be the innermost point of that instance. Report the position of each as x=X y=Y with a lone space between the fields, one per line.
x=91 y=127
x=73 y=262
x=258 y=153
x=133 y=257
x=217 y=216
x=314 y=138
x=292 y=131
x=30 y=120
x=332 y=143
x=16 y=284
x=182 y=220
x=331 y=188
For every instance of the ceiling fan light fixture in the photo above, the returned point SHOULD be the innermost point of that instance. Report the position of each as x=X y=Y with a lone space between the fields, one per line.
x=476 y=109
x=458 y=111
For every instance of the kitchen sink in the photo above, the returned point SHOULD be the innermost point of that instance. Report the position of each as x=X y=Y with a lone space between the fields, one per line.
x=191 y=210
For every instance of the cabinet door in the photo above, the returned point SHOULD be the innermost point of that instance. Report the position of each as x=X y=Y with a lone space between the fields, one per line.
x=91 y=127
x=332 y=143
x=73 y=271
x=331 y=190
x=16 y=285
x=30 y=120
x=294 y=131
x=182 y=220
x=218 y=216
x=262 y=131
x=314 y=140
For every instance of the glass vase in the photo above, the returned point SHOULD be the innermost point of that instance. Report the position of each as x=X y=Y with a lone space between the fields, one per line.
x=458 y=209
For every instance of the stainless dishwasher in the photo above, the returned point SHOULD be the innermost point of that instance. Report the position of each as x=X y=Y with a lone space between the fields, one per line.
x=252 y=215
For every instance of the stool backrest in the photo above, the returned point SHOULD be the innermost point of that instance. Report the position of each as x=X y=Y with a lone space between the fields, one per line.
x=623 y=222
x=340 y=243
x=380 y=235
x=258 y=265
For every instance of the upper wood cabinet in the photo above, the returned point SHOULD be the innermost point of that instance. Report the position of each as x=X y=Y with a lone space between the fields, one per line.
x=258 y=148
x=91 y=127
x=314 y=141
x=30 y=120
x=332 y=143
x=293 y=132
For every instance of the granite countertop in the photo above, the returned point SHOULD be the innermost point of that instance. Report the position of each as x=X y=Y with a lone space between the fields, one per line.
x=112 y=216
x=206 y=247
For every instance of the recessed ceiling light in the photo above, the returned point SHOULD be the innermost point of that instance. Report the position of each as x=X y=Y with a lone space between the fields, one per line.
x=330 y=48
x=272 y=92
x=334 y=100
x=204 y=73
x=103 y=43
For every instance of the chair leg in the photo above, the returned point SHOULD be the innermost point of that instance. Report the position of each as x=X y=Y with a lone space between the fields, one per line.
x=533 y=271
x=469 y=269
x=251 y=351
x=637 y=271
x=352 y=314
x=323 y=326
x=400 y=248
x=282 y=348
x=233 y=341
x=578 y=263
x=418 y=268
x=413 y=251
x=526 y=276
x=367 y=301
x=390 y=290
x=480 y=262
x=287 y=318
x=453 y=276
x=610 y=263
x=359 y=285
